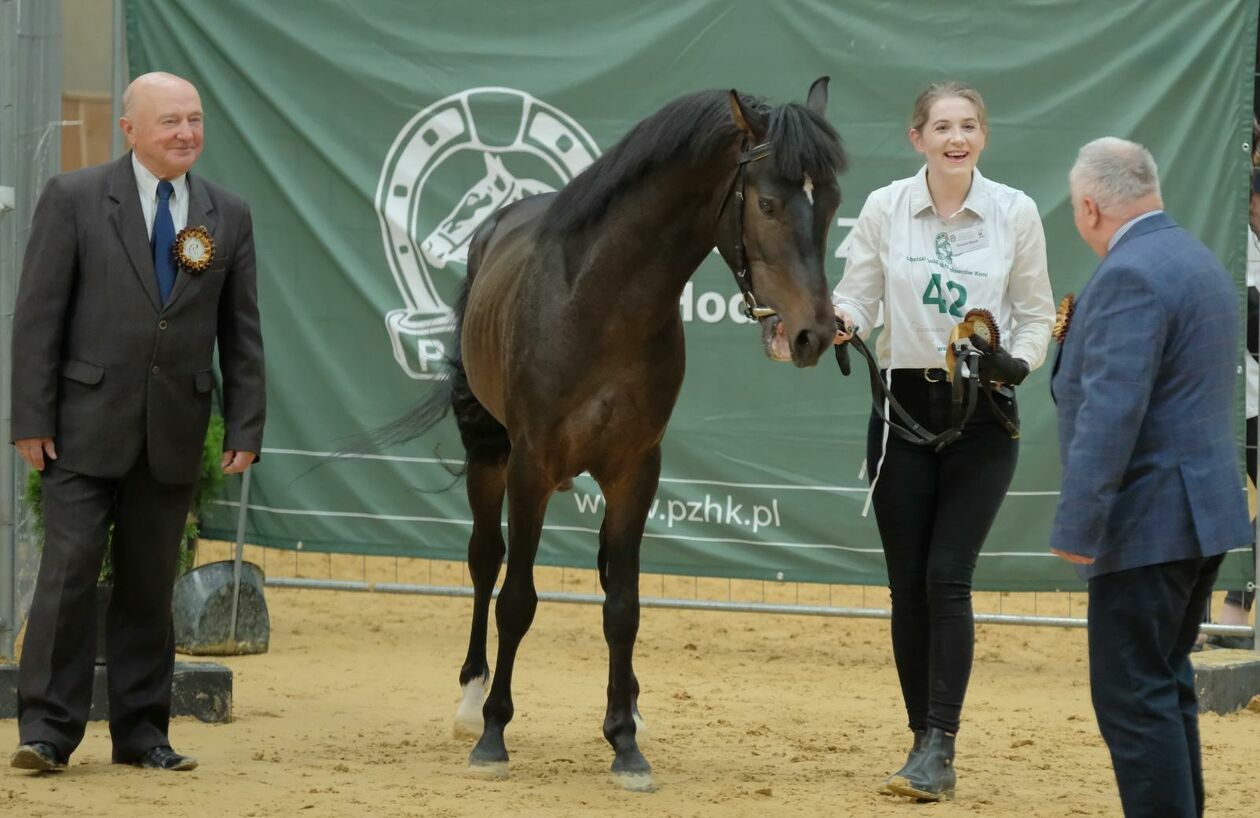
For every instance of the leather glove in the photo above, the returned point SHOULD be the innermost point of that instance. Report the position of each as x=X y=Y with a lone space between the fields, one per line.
x=998 y=364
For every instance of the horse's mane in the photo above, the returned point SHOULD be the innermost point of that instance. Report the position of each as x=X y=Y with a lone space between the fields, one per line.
x=692 y=128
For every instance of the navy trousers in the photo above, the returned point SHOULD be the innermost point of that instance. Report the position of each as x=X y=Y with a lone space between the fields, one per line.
x=1142 y=625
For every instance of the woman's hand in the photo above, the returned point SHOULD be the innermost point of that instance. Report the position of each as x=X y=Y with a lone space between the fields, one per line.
x=844 y=327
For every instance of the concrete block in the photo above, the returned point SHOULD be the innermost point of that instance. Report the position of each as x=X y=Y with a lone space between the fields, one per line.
x=1226 y=680
x=200 y=689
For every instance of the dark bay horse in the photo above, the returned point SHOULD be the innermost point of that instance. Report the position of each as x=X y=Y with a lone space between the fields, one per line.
x=569 y=352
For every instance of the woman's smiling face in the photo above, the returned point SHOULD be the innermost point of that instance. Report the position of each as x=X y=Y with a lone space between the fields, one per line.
x=952 y=138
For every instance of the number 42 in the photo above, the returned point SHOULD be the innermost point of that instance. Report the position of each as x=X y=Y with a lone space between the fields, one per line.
x=934 y=296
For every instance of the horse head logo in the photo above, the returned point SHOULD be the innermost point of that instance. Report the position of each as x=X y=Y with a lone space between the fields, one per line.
x=426 y=251
x=944 y=250
x=449 y=240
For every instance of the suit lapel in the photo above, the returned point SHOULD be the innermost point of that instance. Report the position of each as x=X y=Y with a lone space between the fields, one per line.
x=128 y=219
x=200 y=214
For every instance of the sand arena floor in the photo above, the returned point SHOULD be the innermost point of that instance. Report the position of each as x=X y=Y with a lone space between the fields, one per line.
x=749 y=714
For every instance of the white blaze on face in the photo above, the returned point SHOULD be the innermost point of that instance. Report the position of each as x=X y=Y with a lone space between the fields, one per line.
x=808 y=187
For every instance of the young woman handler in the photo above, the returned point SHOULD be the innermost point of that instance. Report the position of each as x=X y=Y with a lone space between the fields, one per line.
x=928 y=249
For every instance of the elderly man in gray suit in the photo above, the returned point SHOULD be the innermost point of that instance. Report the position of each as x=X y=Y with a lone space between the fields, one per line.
x=133 y=271
x=1152 y=492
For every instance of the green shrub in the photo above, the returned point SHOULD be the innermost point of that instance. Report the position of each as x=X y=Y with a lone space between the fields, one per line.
x=209 y=483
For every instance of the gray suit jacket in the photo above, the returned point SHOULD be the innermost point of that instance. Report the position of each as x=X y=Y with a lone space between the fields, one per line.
x=99 y=364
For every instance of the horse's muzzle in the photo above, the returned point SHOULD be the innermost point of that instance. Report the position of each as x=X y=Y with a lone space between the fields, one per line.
x=802 y=349
x=809 y=344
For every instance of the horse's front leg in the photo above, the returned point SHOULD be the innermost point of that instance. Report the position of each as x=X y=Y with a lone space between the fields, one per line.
x=527 y=492
x=485 y=555
x=627 y=497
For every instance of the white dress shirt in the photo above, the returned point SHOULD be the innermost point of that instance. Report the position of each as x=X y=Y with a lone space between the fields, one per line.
x=927 y=271
x=147 y=184
x=1126 y=227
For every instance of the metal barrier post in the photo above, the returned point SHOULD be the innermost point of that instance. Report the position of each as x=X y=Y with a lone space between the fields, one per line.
x=240 y=552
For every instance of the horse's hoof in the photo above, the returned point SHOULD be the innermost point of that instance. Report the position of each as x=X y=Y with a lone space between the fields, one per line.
x=468 y=719
x=634 y=774
x=488 y=770
x=466 y=728
x=635 y=782
x=490 y=763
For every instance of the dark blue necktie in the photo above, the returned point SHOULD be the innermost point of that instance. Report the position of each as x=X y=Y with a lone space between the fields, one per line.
x=163 y=241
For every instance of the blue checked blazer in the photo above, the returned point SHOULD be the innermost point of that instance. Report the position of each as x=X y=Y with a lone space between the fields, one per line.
x=1144 y=384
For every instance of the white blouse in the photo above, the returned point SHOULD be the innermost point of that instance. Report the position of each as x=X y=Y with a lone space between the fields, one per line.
x=927 y=272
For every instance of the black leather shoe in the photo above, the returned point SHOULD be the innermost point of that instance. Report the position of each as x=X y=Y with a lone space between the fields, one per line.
x=37 y=755
x=910 y=759
x=162 y=757
x=930 y=777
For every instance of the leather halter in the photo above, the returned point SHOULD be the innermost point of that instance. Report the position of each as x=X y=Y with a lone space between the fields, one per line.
x=752 y=309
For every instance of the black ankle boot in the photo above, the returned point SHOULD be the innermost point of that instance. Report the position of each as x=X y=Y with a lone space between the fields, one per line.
x=914 y=753
x=930 y=776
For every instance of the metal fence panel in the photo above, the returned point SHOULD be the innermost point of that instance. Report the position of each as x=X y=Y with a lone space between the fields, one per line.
x=30 y=146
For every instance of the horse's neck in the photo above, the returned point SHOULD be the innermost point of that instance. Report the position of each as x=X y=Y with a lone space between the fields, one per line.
x=652 y=239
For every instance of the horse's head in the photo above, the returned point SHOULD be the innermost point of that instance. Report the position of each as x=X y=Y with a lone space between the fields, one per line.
x=790 y=196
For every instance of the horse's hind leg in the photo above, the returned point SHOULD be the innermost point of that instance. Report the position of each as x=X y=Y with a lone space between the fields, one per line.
x=640 y=724
x=528 y=491
x=628 y=494
x=485 y=555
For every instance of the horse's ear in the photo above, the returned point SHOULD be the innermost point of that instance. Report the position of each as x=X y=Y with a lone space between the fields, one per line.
x=817 y=99
x=494 y=164
x=746 y=120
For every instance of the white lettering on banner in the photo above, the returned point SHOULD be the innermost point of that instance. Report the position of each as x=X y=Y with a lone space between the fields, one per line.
x=711 y=510
x=847 y=222
x=430 y=351
x=710 y=306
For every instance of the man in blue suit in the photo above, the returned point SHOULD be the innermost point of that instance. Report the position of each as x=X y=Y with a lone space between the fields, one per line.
x=1152 y=492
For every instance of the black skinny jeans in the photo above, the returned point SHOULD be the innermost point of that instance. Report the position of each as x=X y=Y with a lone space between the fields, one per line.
x=934 y=511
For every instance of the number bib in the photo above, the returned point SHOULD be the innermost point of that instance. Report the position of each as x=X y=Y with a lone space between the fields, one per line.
x=935 y=275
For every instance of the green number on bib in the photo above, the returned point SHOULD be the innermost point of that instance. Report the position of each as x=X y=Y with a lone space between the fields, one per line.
x=960 y=299
x=932 y=295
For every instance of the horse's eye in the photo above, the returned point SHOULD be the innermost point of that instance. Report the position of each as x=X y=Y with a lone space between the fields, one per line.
x=766 y=206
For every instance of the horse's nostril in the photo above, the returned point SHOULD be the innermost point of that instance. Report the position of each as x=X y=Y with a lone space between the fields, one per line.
x=803 y=340
x=808 y=345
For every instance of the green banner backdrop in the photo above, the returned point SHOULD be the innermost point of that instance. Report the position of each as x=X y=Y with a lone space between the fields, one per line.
x=370 y=137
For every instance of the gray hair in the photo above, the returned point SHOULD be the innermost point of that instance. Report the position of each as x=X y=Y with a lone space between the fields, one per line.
x=1114 y=172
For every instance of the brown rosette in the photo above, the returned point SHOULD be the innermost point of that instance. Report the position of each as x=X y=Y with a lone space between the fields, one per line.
x=193 y=249
x=1063 y=317
x=975 y=322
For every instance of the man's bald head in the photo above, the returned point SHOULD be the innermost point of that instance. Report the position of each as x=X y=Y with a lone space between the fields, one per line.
x=162 y=121
x=145 y=86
